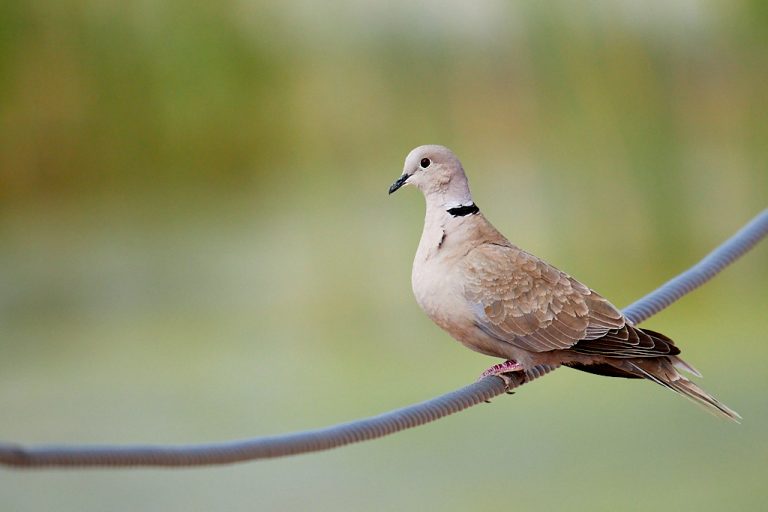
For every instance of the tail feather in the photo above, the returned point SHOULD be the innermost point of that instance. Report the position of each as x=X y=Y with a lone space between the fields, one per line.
x=682 y=365
x=701 y=397
x=671 y=379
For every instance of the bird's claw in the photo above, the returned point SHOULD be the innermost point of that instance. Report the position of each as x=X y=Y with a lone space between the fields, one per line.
x=502 y=370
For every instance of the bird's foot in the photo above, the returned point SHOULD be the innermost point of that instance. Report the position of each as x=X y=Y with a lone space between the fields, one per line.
x=502 y=369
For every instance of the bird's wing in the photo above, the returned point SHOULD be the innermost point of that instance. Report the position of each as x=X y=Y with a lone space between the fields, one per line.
x=628 y=342
x=520 y=299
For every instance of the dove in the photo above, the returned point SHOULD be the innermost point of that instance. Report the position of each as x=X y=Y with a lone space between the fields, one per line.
x=499 y=300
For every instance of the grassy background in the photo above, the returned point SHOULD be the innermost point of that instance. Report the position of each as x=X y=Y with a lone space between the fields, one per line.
x=196 y=243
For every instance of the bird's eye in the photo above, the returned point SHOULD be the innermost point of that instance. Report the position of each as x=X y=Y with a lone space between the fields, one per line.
x=425 y=163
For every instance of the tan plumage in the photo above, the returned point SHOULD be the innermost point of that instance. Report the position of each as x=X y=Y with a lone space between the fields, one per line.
x=499 y=300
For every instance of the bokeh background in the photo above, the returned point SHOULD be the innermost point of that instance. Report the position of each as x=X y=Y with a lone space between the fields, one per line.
x=196 y=243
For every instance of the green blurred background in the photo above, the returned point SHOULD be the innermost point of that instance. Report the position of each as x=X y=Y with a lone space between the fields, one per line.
x=196 y=243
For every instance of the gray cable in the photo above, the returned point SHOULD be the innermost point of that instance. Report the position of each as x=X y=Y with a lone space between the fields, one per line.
x=711 y=265
x=370 y=428
x=264 y=447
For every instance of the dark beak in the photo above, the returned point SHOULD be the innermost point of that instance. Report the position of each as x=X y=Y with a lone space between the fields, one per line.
x=399 y=183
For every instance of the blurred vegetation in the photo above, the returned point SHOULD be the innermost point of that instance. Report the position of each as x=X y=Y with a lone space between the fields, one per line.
x=196 y=243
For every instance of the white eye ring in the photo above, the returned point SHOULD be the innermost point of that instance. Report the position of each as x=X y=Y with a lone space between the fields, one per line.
x=425 y=163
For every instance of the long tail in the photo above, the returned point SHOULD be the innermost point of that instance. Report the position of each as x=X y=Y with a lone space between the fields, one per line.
x=663 y=371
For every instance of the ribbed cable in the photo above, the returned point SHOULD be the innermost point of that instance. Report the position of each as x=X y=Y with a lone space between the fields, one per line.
x=19 y=456
x=711 y=265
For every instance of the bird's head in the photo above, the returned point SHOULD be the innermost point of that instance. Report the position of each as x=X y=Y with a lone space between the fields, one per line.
x=438 y=173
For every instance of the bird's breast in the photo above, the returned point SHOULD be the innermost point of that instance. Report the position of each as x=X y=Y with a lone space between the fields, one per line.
x=438 y=291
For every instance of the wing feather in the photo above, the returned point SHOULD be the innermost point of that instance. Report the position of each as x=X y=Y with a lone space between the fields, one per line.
x=522 y=300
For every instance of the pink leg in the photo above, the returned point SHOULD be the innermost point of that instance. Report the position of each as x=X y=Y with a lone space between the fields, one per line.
x=502 y=368
x=502 y=371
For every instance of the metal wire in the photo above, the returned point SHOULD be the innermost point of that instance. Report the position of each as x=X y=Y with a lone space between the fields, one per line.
x=265 y=447
x=19 y=456
x=711 y=265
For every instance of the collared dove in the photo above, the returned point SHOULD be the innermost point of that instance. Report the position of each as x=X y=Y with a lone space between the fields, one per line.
x=501 y=301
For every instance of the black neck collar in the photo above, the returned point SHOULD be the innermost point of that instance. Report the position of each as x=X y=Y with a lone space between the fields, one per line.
x=461 y=211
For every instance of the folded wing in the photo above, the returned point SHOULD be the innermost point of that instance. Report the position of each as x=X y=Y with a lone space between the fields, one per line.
x=522 y=300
